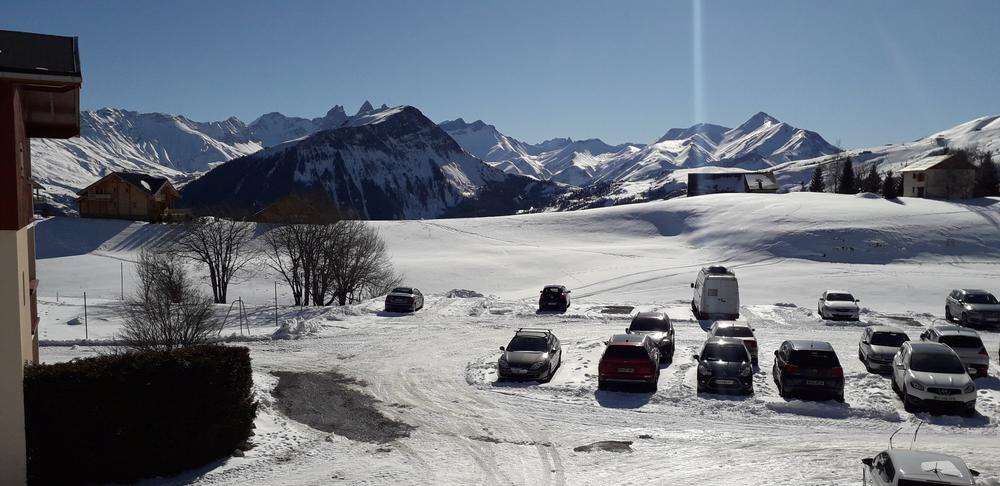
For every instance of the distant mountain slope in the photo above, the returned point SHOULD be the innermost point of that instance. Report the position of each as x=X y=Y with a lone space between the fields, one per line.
x=392 y=163
x=982 y=133
x=112 y=139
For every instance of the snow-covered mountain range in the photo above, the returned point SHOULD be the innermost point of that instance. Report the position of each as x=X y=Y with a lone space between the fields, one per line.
x=760 y=142
x=590 y=172
x=391 y=163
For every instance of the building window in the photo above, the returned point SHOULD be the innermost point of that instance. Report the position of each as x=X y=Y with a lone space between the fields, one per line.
x=920 y=177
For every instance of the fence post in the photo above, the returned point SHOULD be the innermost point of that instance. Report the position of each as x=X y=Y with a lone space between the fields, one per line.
x=86 y=329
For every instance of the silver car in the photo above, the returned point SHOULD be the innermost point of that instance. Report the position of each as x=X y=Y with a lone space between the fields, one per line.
x=896 y=467
x=838 y=304
x=972 y=307
x=966 y=343
x=931 y=376
x=878 y=345
x=532 y=354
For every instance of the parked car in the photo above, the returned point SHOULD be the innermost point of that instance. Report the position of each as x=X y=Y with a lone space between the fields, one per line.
x=808 y=366
x=404 y=299
x=966 y=343
x=931 y=376
x=532 y=354
x=739 y=330
x=629 y=358
x=657 y=326
x=716 y=294
x=838 y=305
x=553 y=297
x=878 y=345
x=724 y=365
x=972 y=307
x=901 y=467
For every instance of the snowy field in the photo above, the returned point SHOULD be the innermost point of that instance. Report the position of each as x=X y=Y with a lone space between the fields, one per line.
x=436 y=370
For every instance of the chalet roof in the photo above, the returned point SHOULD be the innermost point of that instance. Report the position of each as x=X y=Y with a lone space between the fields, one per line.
x=38 y=54
x=947 y=161
x=144 y=182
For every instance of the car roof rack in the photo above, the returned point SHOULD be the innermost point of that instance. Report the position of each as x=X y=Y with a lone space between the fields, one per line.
x=534 y=329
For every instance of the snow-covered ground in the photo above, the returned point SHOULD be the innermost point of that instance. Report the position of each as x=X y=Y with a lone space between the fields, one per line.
x=435 y=370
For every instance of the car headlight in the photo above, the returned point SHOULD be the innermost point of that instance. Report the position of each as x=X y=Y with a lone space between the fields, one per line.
x=971 y=387
x=746 y=371
x=703 y=370
x=537 y=365
x=917 y=386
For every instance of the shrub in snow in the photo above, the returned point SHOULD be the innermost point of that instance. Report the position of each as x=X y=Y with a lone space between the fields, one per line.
x=120 y=418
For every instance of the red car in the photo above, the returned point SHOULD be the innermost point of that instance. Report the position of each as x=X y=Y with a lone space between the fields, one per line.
x=629 y=358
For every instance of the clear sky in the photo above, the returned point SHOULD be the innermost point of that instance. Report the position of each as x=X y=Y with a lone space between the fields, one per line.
x=859 y=72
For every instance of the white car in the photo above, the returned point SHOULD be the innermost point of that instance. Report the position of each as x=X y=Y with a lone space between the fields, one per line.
x=878 y=345
x=932 y=376
x=838 y=304
x=896 y=467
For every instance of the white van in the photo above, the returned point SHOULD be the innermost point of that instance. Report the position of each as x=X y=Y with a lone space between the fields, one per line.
x=716 y=294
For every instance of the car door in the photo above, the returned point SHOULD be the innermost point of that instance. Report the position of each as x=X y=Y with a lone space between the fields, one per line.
x=419 y=299
x=899 y=366
x=955 y=303
x=819 y=306
x=865 y=344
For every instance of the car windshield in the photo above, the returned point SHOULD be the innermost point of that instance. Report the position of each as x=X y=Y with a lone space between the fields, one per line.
x=892 y=339
x=980 y=299
x=730 y=352
x=523 y=343
x=813 y=358
x=839 y=297
x=962 y=341
x=402 y=290
x=626 y=352
x=936 y=363
x=649 y=324
x=733 y=331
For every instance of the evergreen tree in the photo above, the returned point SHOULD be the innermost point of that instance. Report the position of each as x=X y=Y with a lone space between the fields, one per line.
x=873 y=181
x=889 y=186
x=900 y=185
x=817 y=184
x=987 y=178
x=847 y=182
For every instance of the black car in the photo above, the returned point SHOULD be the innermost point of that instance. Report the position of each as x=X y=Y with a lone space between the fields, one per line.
x=657 y=326
x=724 y=366
x=404 y=299
x=532 y=354
x=553 y=297
x=808 y=367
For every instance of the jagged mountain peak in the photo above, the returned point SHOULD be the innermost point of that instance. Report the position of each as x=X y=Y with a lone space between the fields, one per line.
x=366 y=108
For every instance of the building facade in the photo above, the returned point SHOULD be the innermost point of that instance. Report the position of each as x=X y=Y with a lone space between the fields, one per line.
x=129 y=195
x=39 y=98
x=700 y=183
x=950 y=176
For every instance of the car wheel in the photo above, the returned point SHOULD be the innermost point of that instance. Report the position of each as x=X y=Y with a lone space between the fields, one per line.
x=908 y=404
x=819 y=311
x=839 y=398
x=781 y=391
x=895 y=387
x=601 y=385
x=964 y=320
x=947 y=314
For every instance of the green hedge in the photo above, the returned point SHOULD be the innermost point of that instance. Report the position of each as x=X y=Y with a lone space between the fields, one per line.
x=124 y=417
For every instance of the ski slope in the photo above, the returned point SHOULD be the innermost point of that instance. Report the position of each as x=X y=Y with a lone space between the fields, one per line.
x=435 y=370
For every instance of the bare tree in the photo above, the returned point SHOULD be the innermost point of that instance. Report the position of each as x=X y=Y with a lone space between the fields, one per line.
x=166 y=311
x=359 y=263
x=221 y=245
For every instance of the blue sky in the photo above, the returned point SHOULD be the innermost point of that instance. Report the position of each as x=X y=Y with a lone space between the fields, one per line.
x=861 y=72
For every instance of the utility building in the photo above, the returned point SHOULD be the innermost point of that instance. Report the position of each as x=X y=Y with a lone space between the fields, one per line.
x=39 y=98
